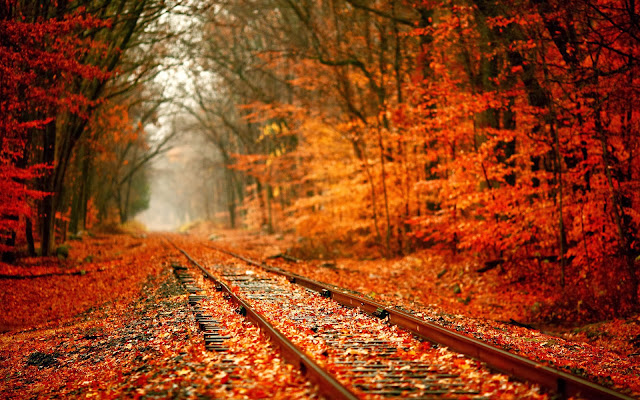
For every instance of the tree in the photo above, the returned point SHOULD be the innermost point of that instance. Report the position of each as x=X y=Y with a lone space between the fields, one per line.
x=60 y=140
x=40 y=55
x=124 y=150
x=551 y=65
x=74 y=55
x=432 y=123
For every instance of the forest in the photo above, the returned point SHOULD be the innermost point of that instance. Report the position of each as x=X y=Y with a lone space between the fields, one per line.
x=503 y=132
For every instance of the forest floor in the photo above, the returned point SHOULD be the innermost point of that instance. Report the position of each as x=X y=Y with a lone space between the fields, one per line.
x=105 y=321
x=111 y=321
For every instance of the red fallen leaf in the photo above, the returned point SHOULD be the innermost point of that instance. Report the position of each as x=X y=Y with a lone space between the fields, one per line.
x=141 y=381
x=257 y=393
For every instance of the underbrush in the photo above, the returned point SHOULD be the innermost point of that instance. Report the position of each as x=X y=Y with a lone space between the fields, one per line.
x=527 y=290
x=598 y=294
x=116 y=228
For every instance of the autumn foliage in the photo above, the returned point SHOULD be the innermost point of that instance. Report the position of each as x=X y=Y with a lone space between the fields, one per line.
x=504 y=132
x=40 y=57
x=60 y=61
x=547 y=162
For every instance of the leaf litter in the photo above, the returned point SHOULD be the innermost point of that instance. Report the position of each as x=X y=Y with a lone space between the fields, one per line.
x=105 y=323
x=131 y=334
x=295 y=314
x=494 y=307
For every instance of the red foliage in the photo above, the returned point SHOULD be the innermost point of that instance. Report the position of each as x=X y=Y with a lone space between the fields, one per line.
x=536 y=157
x=500 y=130
x=14 y=196
x=40 y=59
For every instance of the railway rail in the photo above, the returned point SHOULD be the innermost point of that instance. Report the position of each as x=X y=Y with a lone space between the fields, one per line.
x=376 y=359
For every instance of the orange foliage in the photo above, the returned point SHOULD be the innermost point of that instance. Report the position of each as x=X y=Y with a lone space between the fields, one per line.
x=503 y=131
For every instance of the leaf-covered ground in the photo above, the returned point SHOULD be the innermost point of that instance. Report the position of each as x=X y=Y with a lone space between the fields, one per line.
x=113 y=322
x=294 y=315
x=104 y=322
x=492 y=306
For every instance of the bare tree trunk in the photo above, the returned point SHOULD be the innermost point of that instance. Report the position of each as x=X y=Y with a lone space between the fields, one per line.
x=563 y=236
x=624 y=237
x=29 y=234
x=47 y=206
x=383 y=178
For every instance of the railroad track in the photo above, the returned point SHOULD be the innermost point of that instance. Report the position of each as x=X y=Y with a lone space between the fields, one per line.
x=352 y=347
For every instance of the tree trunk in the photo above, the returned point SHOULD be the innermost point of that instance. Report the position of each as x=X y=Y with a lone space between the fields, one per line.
x=624 y=235
x=383 y=177
x=47 y=184
x=269 y=195
x=87 y=177
x=563 y=245
x=263 y=207
x=78 y=194
x=124 y=217
x=10 y=256
x=29 y=234
x=231 y=198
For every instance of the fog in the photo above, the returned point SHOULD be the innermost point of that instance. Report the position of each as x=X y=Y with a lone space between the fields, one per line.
x=182 y=183
x=187 y=181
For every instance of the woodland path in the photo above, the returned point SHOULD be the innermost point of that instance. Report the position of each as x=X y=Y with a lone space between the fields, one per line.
x=113 y=321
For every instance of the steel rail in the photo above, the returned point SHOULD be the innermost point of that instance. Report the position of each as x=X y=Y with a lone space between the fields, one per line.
x=328 y=385
x=563 y=384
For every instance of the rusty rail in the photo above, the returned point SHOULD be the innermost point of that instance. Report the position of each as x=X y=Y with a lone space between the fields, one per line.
x=327 y=384
x=563 y=384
